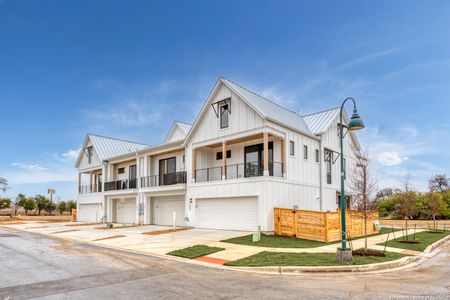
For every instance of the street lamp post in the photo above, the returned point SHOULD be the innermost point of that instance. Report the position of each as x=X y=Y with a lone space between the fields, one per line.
x=344 y=254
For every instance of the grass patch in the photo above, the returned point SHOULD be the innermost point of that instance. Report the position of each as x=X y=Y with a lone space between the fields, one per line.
x=425 y=239
x=276 y=241
x=195 y=251
x=271 y=259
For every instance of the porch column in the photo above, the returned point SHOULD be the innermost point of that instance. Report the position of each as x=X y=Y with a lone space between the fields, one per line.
x=283 y=158
x=224 y=160
x=90 y=181
x=104 y=177
x=266 y=153
x=138 y=171
x=194 y=163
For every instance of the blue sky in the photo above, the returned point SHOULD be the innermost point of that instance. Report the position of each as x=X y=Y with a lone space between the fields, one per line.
x=129 y=68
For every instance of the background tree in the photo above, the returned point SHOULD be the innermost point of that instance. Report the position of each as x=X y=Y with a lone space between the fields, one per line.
x=405 y=202
x=62 y=207
x=3 y=184
x=28 y=204
x=18 y=202
x=435 y=206
x=71 y=205
x=386 y=207
x=5 y=202
x=363 y=185
x=384 y=194
x=41 y=203
x=50 y=207
x=438 y=183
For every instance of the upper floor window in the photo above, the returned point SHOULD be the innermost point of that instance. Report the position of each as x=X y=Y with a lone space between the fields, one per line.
x=219 y=155
x=89 y=154
x=120 y=170
x=224 y=116
x=292 y=148
x=305 y=152
x=328 y=162
x=317 y=155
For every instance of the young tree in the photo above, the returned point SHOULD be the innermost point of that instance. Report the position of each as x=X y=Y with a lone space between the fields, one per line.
x=50 y=207
x=28 y=204
x=5 y=203
x=18 y=202
x=62 y=207
x=405 y=202
x=438 y=183
x=41 y=203
x=435 y=206
x=3 y=184
x=71 y=205
x=363 y=185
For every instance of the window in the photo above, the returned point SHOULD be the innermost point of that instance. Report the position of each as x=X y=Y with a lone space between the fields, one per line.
x=317 y=155
x=347 y=203
x=89 y=154
x=305 y=152
x=224 y=113
x=328 y=158
x=292 y=148
x=120 y=170
x=219 y=155
x=345 y=169
x=184 y=159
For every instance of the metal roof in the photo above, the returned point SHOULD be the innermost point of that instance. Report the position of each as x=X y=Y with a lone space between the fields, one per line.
x=319 y=122
x=270 y=109
x=107 y=147
x=185 y=127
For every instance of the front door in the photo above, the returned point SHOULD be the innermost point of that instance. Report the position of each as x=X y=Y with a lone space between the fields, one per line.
x=132 y=177
x=167 y=171
x=253 y=160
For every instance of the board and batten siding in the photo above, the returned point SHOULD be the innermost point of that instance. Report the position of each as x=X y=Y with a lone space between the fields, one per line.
x=95 y=160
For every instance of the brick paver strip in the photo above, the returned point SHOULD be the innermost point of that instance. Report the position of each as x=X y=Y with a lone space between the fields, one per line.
x=211 y=260
x=411 y=252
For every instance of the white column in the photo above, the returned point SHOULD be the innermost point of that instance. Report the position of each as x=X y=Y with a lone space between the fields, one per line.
x=138 y=172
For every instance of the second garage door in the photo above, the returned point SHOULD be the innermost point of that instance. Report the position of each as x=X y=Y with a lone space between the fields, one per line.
x=228 y=213
x=164 y=207
x=126 y=211
x=89 y=212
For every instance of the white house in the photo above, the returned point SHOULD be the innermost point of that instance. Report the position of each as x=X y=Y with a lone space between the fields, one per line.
x=242 y=156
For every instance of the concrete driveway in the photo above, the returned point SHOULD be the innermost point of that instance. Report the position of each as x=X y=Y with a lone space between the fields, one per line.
x=131 y=238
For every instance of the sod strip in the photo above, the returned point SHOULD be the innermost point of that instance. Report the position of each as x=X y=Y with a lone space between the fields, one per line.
x=195 y=251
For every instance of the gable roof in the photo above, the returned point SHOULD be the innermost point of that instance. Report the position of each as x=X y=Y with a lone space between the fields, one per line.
x=108 y=147
x=269 y=109
x=184 y=127
x=319 y=122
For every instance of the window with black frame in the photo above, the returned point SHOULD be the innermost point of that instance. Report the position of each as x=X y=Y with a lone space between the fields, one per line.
x=167 y=171
x=224 y=116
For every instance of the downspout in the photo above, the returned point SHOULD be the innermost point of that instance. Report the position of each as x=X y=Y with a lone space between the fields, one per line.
x=320 y=174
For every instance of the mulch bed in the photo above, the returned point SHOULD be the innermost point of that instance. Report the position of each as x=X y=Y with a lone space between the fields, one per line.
x=109 y=237
x=410 y=242
x=166 y=231
x=368 y=252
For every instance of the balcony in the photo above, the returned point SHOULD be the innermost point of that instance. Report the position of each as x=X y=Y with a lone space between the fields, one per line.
x=163 y=180
x=242 y=170
x=121 y=185
x=88 y=189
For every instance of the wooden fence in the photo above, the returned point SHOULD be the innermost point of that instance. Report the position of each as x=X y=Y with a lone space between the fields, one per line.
x=321 y=226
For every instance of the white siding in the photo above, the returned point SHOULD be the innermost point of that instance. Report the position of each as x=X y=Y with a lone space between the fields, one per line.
x=84 y=162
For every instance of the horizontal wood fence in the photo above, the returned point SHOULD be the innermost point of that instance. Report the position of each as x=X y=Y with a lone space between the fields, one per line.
x=321 y=226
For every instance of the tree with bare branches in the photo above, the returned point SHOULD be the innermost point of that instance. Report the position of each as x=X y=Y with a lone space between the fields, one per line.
x=438 y=183
x=363 y=185
x=405 y=200
x=4 y=185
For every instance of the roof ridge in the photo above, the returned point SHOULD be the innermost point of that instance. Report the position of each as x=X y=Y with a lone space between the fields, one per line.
x=176 y=121
x=261 y=96
x=322 y=111
x=117 y=139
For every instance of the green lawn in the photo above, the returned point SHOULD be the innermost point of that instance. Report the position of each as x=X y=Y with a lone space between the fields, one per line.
x=276 y=241
x=385 y=230
x=195 y=251
x=425 y=238
x=266 y=259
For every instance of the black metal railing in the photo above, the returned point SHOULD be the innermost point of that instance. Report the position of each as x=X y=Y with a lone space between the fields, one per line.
x=163 y=179
x=242 y=170
x=121 y=185
x=87 y=189
x=208 y=174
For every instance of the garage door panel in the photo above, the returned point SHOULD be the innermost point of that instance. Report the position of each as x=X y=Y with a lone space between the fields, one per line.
x=228 y=213
x=88 y=212
x=126 y=211
x=164 y=207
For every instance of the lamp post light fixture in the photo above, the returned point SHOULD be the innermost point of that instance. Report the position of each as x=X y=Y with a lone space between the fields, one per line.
x=344 y=254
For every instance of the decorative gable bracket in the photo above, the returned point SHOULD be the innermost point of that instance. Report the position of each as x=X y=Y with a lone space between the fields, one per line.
x=216 y=105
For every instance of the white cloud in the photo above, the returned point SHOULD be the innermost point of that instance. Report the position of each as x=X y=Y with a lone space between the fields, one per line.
x=70 y=154
x=29 y=167
x=389 y=158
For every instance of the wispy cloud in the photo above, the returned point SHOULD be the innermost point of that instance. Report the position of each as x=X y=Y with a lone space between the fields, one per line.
x=28 y=167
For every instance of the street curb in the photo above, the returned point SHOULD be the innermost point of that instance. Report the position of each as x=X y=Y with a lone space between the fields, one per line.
x=402 y=263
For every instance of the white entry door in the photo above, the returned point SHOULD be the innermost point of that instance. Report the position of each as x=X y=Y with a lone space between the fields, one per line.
x=126 y=211
x=164 y=207
x=89 y=212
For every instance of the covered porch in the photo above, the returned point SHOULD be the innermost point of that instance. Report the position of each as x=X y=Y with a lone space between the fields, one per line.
x=90 y=181
x=259 y=154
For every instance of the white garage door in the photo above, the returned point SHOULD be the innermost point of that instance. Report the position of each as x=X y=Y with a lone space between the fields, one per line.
x=228 y=213
x=89 y=212
x=164 y=207
x=126 y=211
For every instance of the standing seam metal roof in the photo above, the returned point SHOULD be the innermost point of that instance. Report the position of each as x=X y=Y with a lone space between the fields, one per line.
x=319 y=122
x=107 y=147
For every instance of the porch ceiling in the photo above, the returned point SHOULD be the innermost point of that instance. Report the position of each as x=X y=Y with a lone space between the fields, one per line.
x=240 y=140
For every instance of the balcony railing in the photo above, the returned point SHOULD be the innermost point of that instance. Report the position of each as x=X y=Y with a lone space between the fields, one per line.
x=164 y=179
x=242 y=170
x=121 y=185
x=87 y=189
